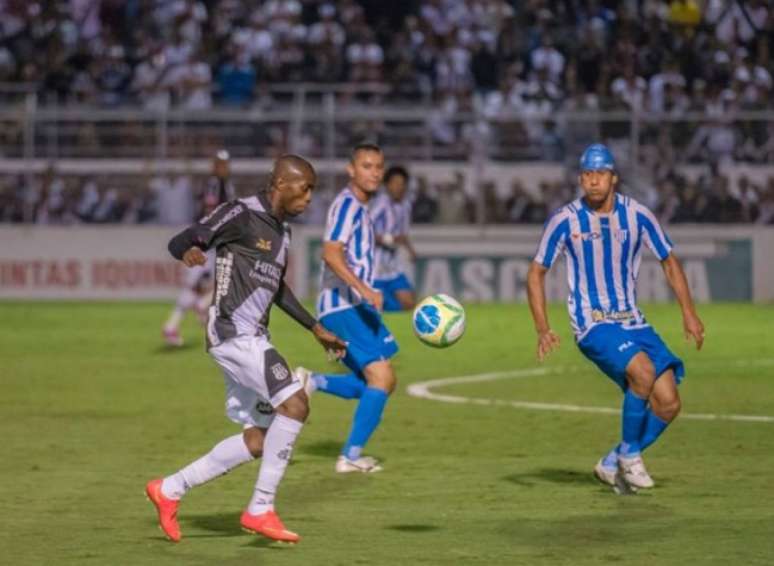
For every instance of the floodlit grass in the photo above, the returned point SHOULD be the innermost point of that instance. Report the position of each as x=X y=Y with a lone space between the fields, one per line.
x=92 y=406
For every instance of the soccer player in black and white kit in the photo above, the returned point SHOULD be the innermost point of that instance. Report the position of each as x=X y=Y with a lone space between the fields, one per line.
x=196 y=292
x=251 y=240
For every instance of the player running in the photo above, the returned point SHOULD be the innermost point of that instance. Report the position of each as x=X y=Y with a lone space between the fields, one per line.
x=601 y=235
x=349 y=306
x=391 y=213
x=251 y=239
x=196 y=294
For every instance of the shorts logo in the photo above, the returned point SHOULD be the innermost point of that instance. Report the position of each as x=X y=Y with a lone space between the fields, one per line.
x=264 y=407
x=279 y=371
x=625 y=346
x=264 y=245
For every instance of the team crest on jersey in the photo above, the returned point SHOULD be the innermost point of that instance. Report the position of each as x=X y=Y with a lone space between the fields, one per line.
x=280 y=372
x=621 y=235
x=264 y=245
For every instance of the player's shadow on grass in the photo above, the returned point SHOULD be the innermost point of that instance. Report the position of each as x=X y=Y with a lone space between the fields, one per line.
x=165 y=349
x=415 y=528
x=224 y=524
x=323 y=448
x=551 y=475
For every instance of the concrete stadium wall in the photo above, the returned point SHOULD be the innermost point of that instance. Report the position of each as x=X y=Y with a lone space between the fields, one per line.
x=723 y=263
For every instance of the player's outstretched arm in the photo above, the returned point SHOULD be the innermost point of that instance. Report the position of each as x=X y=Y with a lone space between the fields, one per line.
x=333 y=256
x=692 y=325
x=287 y=301
x=536 y=294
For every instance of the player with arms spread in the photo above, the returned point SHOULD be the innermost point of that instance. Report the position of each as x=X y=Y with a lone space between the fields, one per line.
x=601 y=235
x=251 y=239
x=349 y=306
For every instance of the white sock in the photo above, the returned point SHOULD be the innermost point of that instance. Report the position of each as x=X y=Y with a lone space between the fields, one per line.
x=173 y=322
x=225 y=456
x=186 y=300
x=277 y=448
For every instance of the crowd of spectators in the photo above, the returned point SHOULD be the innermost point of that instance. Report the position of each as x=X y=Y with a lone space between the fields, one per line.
x=528 y=55
x=535 y=60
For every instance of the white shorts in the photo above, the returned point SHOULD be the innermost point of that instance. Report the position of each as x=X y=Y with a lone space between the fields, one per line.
x=257 y=379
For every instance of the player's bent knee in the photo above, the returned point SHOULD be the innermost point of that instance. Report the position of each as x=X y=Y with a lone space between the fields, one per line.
x=381 y=376
x=295 y=407
x=253 y=438
x=667 y=409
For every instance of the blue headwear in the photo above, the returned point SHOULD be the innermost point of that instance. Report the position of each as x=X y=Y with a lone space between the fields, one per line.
x=597 y=157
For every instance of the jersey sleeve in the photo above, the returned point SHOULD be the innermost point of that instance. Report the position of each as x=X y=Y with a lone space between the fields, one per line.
x=379 y=217
x=551 y=244
x=653 y=234
x=221 y=226
x=340 y=222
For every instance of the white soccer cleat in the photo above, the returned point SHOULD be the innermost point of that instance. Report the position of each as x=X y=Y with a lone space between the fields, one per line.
x=305 y=377
x=364 y=464
x=604 y=474
x=634 y=472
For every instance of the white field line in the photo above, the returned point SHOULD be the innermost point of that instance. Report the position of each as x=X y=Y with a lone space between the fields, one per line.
x=423 y=390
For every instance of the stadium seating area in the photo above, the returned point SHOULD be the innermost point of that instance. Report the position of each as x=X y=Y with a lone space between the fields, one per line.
x=521 y=68
x=664 y=56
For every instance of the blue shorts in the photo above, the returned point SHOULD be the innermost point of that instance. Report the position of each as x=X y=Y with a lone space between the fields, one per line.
x=368 y=337
x=389 y=287
x=611 y=347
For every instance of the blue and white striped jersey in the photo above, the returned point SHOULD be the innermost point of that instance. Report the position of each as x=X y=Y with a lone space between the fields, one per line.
x=393 y=218
x=603 y=253
x=348 y=222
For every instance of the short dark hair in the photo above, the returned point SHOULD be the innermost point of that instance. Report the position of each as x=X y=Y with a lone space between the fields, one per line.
x=364 y=146
x=396 y=170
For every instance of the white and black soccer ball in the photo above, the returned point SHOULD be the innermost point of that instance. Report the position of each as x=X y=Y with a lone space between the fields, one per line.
x=439 y=321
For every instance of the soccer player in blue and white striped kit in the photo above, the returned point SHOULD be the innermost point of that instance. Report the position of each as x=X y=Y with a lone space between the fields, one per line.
x=349 y=303
x=601 y=235
x=391 y=213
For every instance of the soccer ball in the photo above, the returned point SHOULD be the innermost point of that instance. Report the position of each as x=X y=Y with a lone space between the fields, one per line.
x=439 y=321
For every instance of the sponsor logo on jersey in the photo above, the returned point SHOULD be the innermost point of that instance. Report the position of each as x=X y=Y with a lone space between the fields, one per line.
x=266 y=273
x=587 y=236
x=619 y=316
x=264 y=245
x=264 y=407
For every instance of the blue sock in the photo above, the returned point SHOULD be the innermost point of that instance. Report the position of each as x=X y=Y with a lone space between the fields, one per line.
x=654 y=426
x=367 y=417
x=348 y=386
x=633 y=421
x=611 y=460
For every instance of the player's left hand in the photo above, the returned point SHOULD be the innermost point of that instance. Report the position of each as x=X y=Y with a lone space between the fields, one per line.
x=194 y=256
x=332 y=343
x=694 y=329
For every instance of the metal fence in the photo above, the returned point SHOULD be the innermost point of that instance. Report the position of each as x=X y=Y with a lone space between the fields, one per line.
x=324 y=122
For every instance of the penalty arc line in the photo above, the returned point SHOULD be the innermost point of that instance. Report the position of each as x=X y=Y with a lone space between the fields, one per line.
x=423 y=390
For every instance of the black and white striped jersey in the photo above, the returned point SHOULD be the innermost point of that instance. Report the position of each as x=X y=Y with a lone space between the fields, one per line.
x=251 y=256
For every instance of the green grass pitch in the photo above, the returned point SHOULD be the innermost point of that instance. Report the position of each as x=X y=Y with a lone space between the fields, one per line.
x=91 y=407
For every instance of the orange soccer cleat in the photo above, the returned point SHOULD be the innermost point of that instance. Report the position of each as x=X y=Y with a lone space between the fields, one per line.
x=167 y=510
x=269 y=525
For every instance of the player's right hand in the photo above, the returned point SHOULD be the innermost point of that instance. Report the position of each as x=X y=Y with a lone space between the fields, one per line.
x=194 y=256
x=373 y=298
x=548 y=341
